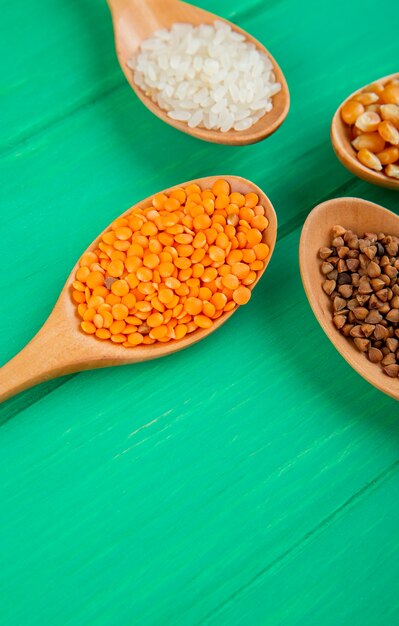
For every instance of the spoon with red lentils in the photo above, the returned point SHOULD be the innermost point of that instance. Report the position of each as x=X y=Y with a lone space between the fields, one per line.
x=365 y=132
x=162 y=276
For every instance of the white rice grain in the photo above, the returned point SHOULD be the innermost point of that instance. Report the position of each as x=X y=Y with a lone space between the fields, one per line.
x=195 y=119
x=179 y=116
x=207 y=76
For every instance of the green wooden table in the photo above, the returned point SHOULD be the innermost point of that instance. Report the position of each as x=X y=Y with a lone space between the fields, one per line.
x=250 y=480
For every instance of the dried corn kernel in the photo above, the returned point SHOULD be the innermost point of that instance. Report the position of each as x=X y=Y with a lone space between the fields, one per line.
x=369 y=159
x=366 y=98
x=377 y=88
x=368 y=122
x=389 y=112
x=392 y=171
x=373 y=107
x=370 y=141
x=390 y=95
x=389 y=155
x=351 y=110
x=163 y=272
x=374 y=132
x=388 y=132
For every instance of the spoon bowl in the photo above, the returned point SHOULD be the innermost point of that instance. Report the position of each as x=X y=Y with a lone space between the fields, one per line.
x=341 y=142
x=60 y=347
x=136 y=20
x=360 y=216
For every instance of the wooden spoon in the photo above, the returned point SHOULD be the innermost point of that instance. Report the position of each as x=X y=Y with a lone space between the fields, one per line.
x=60 y=347
x=360 y=216
x=136 y=20
x=341 y=141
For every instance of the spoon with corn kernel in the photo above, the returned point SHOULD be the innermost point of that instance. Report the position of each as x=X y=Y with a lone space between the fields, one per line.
x=135 y=21
x=165 y=274
x=359 y=216
x=365 y=132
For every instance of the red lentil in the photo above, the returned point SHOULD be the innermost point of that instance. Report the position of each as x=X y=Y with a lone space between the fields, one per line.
x=176 y=266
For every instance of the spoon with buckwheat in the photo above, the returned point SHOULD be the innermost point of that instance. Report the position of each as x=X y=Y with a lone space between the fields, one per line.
x=372 y=314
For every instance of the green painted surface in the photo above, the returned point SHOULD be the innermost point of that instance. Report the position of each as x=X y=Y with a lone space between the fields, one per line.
x=251 y=480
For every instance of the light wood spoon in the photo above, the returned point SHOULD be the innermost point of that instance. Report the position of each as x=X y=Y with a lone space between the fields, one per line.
x=360 y=216
x=60 y=347
x=341 y=142
x=136 y=20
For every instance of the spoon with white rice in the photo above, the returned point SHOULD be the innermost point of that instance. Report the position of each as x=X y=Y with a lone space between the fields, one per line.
x=199 y=73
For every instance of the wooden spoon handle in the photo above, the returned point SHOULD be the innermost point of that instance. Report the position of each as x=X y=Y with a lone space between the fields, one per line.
x=37 y=362
x=119 y=5
x=56 y=350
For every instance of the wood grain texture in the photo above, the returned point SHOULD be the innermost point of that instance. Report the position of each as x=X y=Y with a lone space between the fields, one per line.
x=135 y=21
x=250 y=480
x=60 y=348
